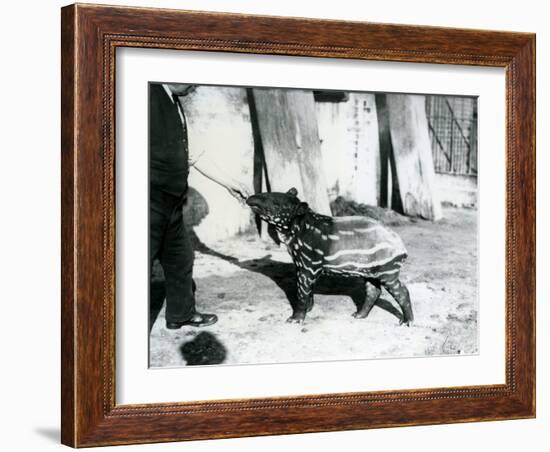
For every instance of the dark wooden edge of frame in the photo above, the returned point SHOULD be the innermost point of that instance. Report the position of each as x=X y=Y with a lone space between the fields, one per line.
x=90 y=35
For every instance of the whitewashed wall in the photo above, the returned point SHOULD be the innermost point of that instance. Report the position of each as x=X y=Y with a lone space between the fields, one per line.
x=350 y=147
x=456 y=190
x=220 y=116
x=219 y=129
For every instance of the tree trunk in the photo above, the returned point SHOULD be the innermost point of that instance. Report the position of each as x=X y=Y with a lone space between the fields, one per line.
x=287 y=126
x=413 y=155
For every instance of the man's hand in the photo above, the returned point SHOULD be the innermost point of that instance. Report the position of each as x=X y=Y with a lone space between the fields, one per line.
x=212 y=171
x=238 y=190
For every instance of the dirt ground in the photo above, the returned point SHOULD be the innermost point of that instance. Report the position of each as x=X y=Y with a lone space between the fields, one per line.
x=245 y=281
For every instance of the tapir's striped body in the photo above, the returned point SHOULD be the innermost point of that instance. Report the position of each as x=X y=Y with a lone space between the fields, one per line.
x=349 y=246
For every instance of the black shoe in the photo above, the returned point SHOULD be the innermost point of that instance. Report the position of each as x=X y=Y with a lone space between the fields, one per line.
x=197 y=320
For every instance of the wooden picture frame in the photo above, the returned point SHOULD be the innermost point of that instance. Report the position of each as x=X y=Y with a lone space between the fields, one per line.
x=90 y=36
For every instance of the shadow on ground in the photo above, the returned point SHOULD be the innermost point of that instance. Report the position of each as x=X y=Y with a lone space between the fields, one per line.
x=284 y=275
x=203 y=349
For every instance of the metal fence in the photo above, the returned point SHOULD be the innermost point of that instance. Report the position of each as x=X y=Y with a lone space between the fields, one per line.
x=452 y=122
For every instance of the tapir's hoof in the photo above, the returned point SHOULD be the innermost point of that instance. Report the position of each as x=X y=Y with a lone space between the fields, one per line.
x=300 y=318
x=358 y=315
x=406 y=322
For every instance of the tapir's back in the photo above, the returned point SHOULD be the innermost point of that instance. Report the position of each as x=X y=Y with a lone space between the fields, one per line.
x=362 y=244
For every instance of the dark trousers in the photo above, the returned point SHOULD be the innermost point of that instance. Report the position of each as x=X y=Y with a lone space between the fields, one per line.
x=169 y=242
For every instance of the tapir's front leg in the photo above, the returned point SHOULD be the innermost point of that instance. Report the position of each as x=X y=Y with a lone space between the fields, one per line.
x=304 y=297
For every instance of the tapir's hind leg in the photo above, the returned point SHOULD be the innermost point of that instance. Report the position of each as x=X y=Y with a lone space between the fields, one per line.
x=399 y=291
x=373 y=290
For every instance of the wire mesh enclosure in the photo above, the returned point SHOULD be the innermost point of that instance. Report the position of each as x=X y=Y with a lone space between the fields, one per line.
x=452 y=123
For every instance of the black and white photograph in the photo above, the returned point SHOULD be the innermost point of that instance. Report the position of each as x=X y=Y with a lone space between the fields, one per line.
x=234 y=225
x=297 y=225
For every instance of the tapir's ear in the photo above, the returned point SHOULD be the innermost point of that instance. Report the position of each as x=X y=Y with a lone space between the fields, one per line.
x=292 y=192
x=302 y=208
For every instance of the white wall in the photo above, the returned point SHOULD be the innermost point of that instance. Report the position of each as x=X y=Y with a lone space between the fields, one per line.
x=350 y=147
x=30 y=226
x=457 y=190
x=227 y=125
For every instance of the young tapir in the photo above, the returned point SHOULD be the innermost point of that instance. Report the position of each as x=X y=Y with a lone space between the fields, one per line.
x=349 y=246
